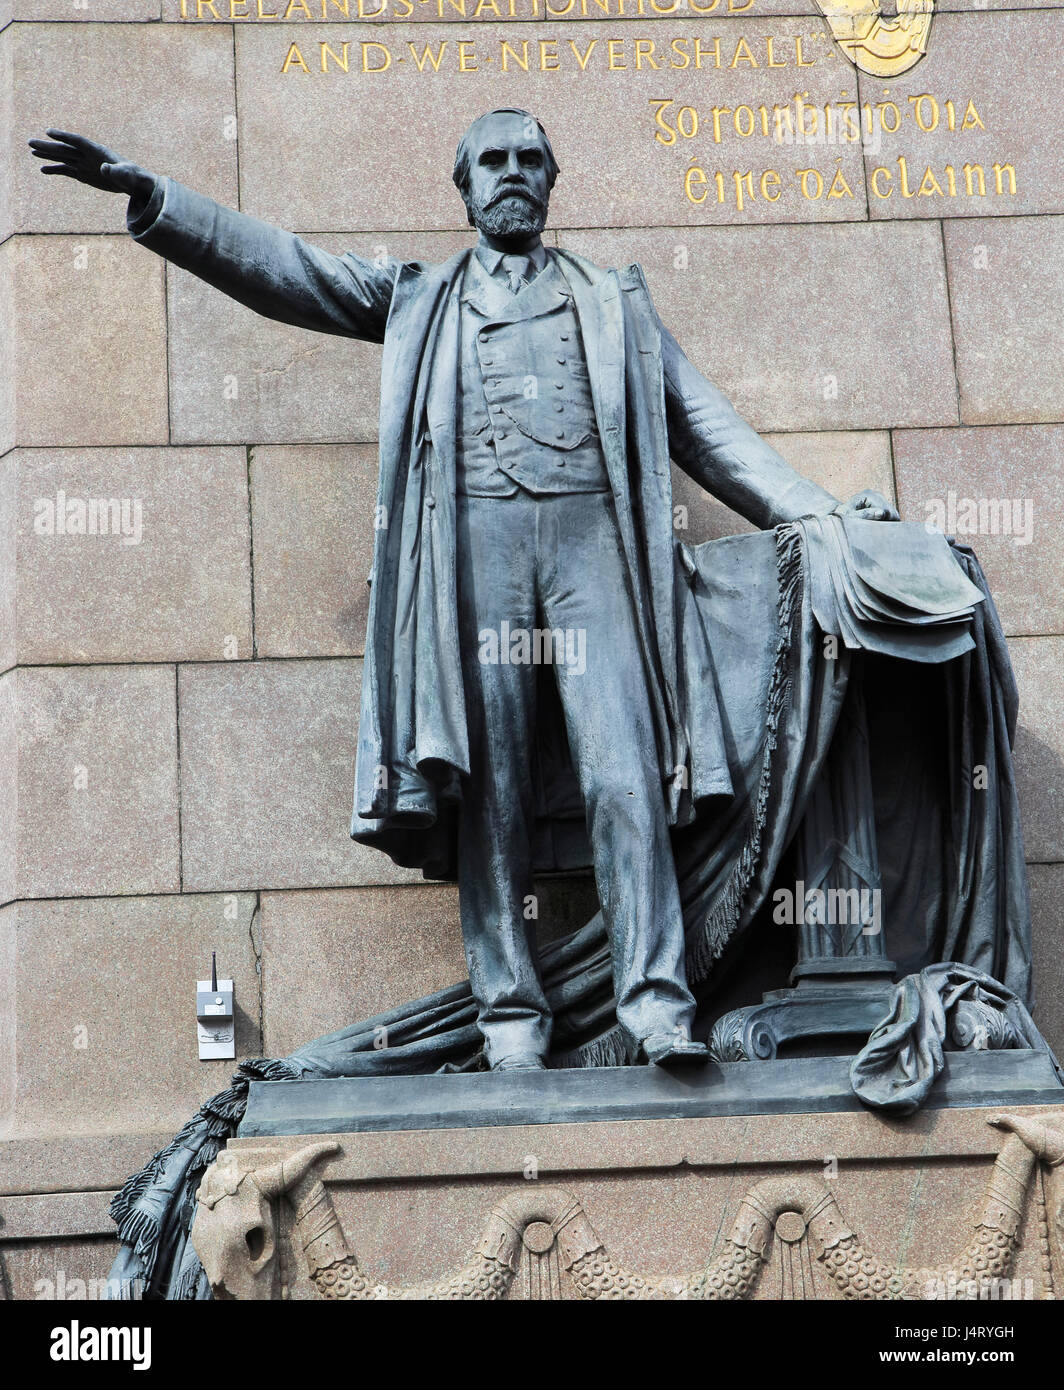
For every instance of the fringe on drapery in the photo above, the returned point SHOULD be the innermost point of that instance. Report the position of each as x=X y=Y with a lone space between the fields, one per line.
x=613 y=1048
x=141 y=1222
x=706 y=944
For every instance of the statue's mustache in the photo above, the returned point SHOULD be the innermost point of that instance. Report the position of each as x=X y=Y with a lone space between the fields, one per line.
x=521 y=191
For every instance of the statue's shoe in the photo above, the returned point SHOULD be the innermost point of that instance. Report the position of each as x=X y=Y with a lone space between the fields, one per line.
x=520 y=1061
x=668 y=1050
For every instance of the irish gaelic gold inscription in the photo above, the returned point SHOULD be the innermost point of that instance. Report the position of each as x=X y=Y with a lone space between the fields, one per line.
x=839 y=122
x=801 y=121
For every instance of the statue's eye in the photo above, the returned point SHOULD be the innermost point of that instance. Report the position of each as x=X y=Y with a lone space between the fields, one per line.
x=256 y=1242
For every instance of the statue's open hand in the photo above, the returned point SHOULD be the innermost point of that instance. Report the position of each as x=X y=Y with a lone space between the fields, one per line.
x=872 y=506
x=80 y=158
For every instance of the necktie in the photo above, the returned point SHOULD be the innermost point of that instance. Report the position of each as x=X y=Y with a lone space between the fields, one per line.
x=517 y=271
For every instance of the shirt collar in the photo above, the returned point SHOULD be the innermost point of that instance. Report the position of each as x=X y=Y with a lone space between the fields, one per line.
x=491 y=259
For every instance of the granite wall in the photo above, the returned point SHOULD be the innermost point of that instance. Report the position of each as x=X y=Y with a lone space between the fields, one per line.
x=872 y=268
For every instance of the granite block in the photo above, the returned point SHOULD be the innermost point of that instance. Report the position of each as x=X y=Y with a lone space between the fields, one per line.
x=313 y=521
x=105 y=1030
x=267 y=768
x=131 y=554
x=89 y=341
x=791 y=342
x=158 y=94
x=95 y=752
x=1001 y=491
x=1006 y=280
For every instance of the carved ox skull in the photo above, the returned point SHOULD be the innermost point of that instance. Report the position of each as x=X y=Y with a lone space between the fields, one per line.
x=235 y=1228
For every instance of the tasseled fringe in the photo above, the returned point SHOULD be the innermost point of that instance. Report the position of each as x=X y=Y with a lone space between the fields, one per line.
x=707 y=944
x=202 y=1137
x=185 y=1286
x=138 y=1230
x=613 y=1048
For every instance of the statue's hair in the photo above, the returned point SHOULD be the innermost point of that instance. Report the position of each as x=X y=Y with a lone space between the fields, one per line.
x=462 y=161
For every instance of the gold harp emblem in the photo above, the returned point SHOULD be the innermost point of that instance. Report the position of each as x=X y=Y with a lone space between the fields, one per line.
x=884 y=47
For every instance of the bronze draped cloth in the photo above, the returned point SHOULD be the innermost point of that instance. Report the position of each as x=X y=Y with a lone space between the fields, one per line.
x=761 y=697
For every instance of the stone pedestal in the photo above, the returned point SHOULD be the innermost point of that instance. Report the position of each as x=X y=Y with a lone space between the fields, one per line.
x=467 y=1202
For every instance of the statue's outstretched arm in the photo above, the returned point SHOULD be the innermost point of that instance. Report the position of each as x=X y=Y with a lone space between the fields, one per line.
x=711 y=441
x=272 y=271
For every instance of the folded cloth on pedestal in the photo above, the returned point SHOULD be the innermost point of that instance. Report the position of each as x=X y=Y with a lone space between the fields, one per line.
x=899 y=1064
x=895 y=588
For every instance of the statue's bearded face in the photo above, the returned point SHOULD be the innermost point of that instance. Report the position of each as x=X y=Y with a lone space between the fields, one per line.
x=509 y=183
